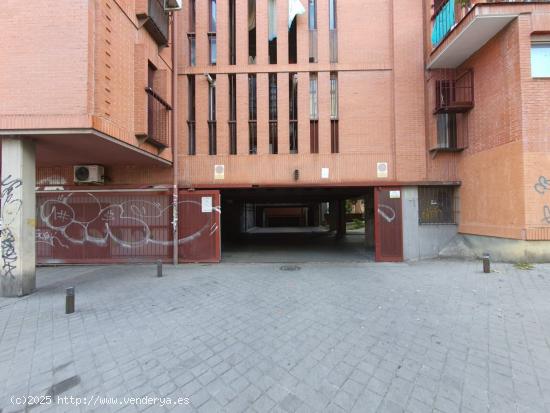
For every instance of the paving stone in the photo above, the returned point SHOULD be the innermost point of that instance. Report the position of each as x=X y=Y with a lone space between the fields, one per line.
x=333 y=337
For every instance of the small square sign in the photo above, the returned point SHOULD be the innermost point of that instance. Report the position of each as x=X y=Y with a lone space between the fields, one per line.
x=395 y=194
x=382 y=169
x=325 y=173
x=219 y=171
x=206 y=204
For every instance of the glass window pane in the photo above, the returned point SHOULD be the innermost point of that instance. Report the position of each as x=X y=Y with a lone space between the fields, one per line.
x=540 y=60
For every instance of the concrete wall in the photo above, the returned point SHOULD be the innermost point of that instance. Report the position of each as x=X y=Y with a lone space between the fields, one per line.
x=421 y=241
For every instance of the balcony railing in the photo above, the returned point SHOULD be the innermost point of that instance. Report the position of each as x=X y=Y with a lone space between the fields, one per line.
x=157 y=22
x=158 y=119
x=454 y=94
x=447 y=13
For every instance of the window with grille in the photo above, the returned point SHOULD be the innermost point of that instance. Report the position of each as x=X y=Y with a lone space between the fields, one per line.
x=191 y=150
x=273 y=114
x=191 y=34
x=212 y=43
x=312 y=26
x=232 y=34
x=313 y=113
x=333 y=33
x=272 y=31
x=252 y=115
x=334 y=127
x=212 y=138
x=437 y=205
x=293 y=111
x=232 y=114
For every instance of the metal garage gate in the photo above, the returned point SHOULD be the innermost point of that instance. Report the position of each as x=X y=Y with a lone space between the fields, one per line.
x=95 y=227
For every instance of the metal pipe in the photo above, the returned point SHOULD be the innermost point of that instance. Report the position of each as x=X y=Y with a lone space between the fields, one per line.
x=175 y=164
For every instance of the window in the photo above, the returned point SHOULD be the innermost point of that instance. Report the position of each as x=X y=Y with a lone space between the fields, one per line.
x=191 y=34
x=192 y=49
x=312 y=25
x=212 y=139
x=232 y=34
x=293 y=42
x=272 y=31
x=446 y=131
x=191 y=114
x=293 y=111
x=273 y=115
x=252 y=115
x=334 y=133
x=313 y=114
x=251 y=31
x=437 y=205
x=232 y=114
x=333 y=34
x=212 y=33
x=540 y=59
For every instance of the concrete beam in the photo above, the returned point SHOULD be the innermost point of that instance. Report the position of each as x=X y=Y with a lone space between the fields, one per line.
x=18 y=220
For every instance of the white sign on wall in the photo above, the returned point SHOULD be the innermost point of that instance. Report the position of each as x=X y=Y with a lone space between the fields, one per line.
x=206 y=204
x=325 y=173
x=382 y=169
x=395 y=194
x=219 y=171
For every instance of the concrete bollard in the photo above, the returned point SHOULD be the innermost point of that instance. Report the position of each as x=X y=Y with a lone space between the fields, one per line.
x=159 y=268
x=486 y=264
x=69 y=300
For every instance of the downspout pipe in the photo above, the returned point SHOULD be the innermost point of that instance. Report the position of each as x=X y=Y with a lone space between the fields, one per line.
x=175 y=164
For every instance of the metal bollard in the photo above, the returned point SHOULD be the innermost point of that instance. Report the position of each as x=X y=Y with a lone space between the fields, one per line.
x=159 y=268
x=69 y=300
x=486 y=264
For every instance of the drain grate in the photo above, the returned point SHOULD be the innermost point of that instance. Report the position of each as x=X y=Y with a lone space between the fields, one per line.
x=290 y=268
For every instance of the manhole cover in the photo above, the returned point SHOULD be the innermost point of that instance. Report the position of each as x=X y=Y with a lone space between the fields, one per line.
x=290 y=268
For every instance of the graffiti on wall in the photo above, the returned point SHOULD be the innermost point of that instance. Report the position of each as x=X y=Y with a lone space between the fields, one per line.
x=386 y=212
x=542 y=186
x=11 y=208
x=79 y=219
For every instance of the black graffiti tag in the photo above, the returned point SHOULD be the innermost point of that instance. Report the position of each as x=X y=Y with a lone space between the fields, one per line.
x=9 y=255
x=546 y=214
x=11 y=206
x=542 y=185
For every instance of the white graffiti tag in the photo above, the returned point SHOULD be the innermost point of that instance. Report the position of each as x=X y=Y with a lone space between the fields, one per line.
x=129 y=224
x=386 y=212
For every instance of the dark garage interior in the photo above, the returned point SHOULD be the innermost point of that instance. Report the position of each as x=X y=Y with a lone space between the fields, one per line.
x=298 y=224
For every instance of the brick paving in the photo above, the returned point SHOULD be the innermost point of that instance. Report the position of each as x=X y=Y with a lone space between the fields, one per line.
x=433 y=336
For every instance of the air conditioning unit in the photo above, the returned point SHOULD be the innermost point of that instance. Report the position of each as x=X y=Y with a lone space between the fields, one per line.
x=171 y=5
x=88 y=174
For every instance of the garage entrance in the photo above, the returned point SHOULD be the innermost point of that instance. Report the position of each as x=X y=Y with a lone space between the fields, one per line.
x=298 y=225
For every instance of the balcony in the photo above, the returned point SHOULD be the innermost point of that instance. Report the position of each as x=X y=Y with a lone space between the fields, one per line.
x=158 y=119
x=157 y=21
x=460 y=28
x=454 y=94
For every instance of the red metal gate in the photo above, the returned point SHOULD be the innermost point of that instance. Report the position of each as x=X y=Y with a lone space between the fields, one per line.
x=388 y=224
x=81 y=227
x=199 y=226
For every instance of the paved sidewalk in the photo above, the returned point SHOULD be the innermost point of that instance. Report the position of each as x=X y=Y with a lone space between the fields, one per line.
x=431 y=336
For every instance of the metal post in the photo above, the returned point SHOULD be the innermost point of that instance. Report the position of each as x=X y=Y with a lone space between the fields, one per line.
x=69 y=300
x=159 y=268
x=486 y=264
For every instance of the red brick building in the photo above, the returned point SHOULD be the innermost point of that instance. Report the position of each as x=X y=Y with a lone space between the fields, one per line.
x=433 y=112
